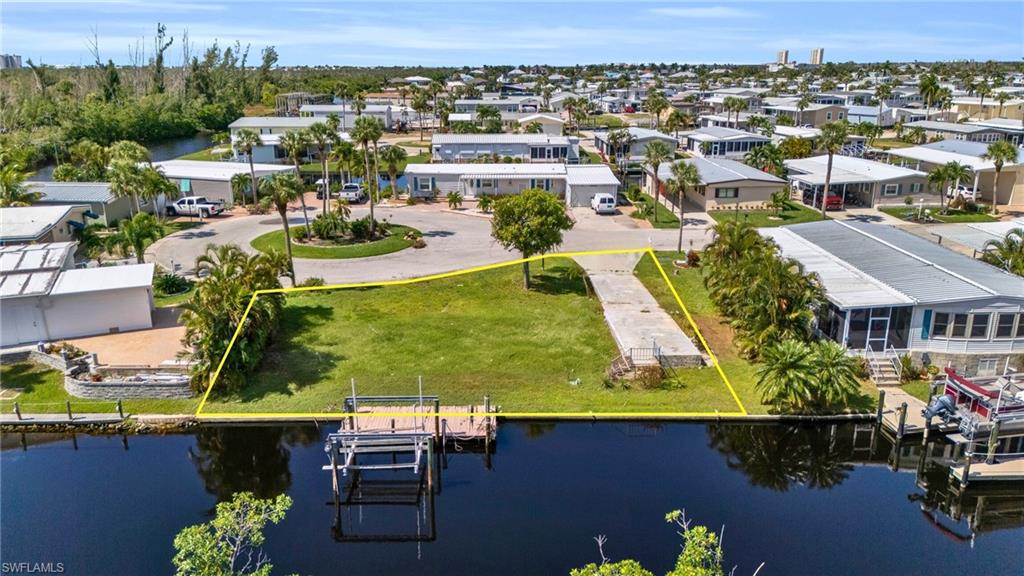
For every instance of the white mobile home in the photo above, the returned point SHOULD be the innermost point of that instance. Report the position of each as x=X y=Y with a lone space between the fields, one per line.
x=212 y=179
x=717 y=141
x=577 y=184
x=522 y=147
x=639 y=138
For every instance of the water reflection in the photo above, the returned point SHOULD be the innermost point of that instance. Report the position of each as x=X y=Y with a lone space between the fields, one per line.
x=253 y=459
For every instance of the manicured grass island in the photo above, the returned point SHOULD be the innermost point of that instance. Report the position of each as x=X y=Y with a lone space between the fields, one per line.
x=542 y=350
x=347 y=248
x=951 y=216
x=40 y=390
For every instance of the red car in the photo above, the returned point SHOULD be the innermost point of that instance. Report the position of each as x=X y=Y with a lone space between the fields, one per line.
x=835 y=200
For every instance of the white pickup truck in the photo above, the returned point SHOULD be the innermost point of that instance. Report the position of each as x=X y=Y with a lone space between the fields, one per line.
x=195 y=206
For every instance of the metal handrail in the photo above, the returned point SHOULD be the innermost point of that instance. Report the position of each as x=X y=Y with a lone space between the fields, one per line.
x=896 y=363
x=872 y=361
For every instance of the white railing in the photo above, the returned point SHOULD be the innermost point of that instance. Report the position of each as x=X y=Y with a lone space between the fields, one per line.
x=896 y=363
x=872 y=359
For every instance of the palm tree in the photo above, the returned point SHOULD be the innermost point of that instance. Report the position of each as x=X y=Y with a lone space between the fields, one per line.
x=420 y=104
x=283 y=189
x=128 y=150
x=676 y=120
x=13 y=190
x=937 y=179
x=766 y=158
x=1007 y=253
x=321 y=136
x=359 y=104
x=684 y=175
x=296 y=144
x=343 y=154
x=802 y=104
x=982 y=90
x=133 y=234
x=1002 y=98
x=239 y=184
x=786 y=377
x=917 y=135
x=247 y=139
x=366 y=131
x=999 y=153
x=957 y=172
x=392 y=156
x=656 y=153
x=155 y=184
x=929 y=89
x=763 y=124
x=125 y=179
x=882 y=93
x=833 y=137
x=835 y=373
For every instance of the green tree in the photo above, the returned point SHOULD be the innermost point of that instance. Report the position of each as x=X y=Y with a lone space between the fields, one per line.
x=366 y=131
x=134 y=234
x=791 y=148
x=767 y=158
x=231 y=543
x=283 y=189
x=13 y=190
x=246 y=139
x=392 y=157
x=125 y=179
x=296 y=144
x=323 y=138
x=531 y=223
x=420 y=104
x=999 y=153
x=786 y=375
x=835 y=374
x=957 y=173
x=656 y=153
x=684 y=176
x=1007 y=253
x=833 y=137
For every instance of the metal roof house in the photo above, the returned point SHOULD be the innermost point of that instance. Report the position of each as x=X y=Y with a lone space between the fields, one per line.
x=719 y=141
x=890 y=292
x=724 y=184
x=870 y=183
x=28 y=224
x=576 y=184
x=44 y=298
x=212 y=179
x=523 y=147
x=270 y=130
x=970 y=154
x=641 y=137
x=956 y=131
x=106 y=208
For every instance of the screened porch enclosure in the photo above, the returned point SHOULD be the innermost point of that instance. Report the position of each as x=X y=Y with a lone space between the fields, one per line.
x=879 y=329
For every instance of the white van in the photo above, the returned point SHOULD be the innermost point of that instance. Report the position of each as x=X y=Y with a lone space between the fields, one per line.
x=603 y=203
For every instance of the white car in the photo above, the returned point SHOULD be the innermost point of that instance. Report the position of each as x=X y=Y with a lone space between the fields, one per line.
x=353 y=193
x=967 y=192
x=603 y=203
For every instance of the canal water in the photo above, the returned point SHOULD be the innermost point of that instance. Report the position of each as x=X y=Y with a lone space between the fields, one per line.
x=803 y=500
x=158 y=152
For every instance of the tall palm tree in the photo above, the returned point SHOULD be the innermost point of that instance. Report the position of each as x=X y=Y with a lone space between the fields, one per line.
x=1002 y=98
x=321 y=136
x=359 y=104
x=283 y=189
x=882 y=93
x=982 y=90
x=937 y=179
x=802 y=104
x=343 y=154
x=420 y=104
x=128 y=150
x=125 y=179
x=246 y=139
x=13 y=190
x=833 y=137
x=999 y=153
x=239 y=184
x=929 y=88
x=156 y=185
x=133 y=234
x=767 y=158
x=656 y=153
x=392 y=156
x=366 y=131
x=684 y=175
x=296 y=144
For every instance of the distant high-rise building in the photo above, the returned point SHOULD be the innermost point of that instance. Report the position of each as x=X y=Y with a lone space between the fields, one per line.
x=10 y=61
x=782 y=57
x=817 y=55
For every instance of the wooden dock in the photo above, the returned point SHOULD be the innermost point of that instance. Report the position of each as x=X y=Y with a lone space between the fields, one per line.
x=60 y=419
x=894 y=399
x=454 y=422
x=1006 y=471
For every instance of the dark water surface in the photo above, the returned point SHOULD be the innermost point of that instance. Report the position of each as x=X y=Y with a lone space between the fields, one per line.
x=802 y=500
x=158 y=152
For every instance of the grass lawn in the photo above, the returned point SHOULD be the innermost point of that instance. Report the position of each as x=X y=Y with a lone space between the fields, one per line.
x=467 y=336
x=179 y=225
x=793 y=213
x=594 y=157
x=953 y=217
x=393 y=243
x=164 y=301
x=605 y=120
x=742 y=373
x=918 y=389
x=886 y=143
x=666 y=218
x=207 y=154
x=42 y=391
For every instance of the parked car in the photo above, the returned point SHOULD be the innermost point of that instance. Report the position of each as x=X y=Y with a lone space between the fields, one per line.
x=968 y=192
x=603 y=203
x=835 y=200
x=195 y=206
x=353 y=193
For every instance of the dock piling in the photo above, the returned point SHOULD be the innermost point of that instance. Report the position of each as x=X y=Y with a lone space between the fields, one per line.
x=120 y=408
x=903 y=420
x=993 y=442
x=881 y=406
x=67 y=403
x=967 y=468
x=17 y=410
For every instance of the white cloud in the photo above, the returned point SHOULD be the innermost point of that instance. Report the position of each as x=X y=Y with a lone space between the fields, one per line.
x=708 y=12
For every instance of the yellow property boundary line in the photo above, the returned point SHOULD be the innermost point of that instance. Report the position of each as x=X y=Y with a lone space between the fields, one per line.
x=328 y=415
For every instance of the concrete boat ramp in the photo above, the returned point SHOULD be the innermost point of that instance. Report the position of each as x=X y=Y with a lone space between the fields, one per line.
x=637 y=322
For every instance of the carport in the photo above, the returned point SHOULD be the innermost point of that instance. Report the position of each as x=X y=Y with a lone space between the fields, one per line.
x=584 y=182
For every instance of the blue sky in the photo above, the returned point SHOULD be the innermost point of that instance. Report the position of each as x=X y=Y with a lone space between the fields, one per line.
x=374 y=33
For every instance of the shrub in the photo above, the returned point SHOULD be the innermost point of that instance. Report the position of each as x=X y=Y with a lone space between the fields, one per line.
x=410 y=200
x=312 y=281
x=908 y=201
x=507 y=159
x=454 y=200
x=650 y=377
x=360 y=229
x=419 y=243
x=327 y=226
x=692 y=259
x=168 y=283
x=633 y=194
x=485 y=204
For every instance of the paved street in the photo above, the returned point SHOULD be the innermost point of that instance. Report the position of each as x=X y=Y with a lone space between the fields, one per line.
x=454 y=241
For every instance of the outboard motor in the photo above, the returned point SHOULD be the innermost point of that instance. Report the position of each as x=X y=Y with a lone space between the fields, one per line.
x=942 y=407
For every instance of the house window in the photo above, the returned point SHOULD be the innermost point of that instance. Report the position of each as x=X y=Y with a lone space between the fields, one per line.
x=915 y=187
x=1006 y=325
x=727 y=192
x=959 y=327
x=979 y=326
x=891 y=190
x=423 y=184
x=828 y=116
x=487 y=183
x=840 y=115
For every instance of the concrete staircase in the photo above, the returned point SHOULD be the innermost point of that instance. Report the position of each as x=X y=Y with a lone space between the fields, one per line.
x=883 y=373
